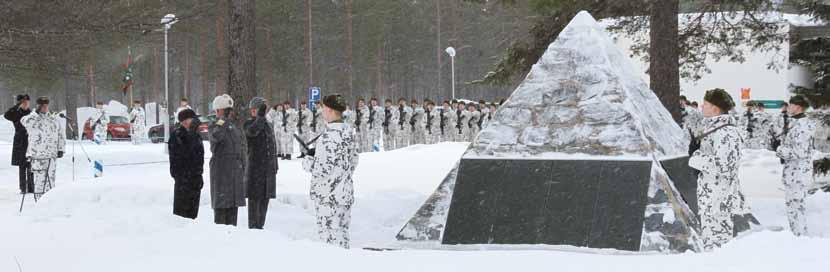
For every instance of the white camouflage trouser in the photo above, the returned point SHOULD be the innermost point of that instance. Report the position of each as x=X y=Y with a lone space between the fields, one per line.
x=418 y=136
x=375 y=136
x=389 y=139
x=333 y=223
x=715 y=210
x=101 y=133
x=363 y=140
x=402 y=137
x=43 y=171
x=472 y=133
x=138 y=134
x=797 y=176
x=287 y=142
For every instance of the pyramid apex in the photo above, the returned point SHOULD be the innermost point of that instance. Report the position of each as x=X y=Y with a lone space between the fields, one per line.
x=583 y=18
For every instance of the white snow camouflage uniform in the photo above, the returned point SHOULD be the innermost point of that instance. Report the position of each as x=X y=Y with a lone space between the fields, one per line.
x=362 y=129
x=275 y=118
x=137 y=124
x=433 y=126
x=289 y=127
x=46 y=139
x=448 y=130
x=375 y=126
x=485 y=117
x=98 y=122
x=473 y=125
x=391 y=116
x=796 y=151
x=304 y=117
x=718 y=186
x=404 y=129
x=417 y=126
x=756 y=129
x=332 y=189
x=461 y=127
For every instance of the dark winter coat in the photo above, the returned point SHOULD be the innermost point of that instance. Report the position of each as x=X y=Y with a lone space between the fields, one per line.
x=21 y=138
x=227 y=166
x=261 y=174
x=187 y=154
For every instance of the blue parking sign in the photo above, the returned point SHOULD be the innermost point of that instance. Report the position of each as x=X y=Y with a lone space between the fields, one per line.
x=314 y=95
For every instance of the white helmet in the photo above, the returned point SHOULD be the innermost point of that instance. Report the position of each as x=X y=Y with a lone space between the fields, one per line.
x=222 y=102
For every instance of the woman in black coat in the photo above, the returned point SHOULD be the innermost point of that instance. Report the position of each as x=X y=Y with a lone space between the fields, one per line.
x=187 y=159
x=261 y=173
x=21 y=142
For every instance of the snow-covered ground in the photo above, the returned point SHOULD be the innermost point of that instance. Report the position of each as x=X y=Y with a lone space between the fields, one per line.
x=123 y=222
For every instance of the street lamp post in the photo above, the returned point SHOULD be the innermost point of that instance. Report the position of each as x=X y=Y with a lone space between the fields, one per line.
x=167 y=21
x=451 y=51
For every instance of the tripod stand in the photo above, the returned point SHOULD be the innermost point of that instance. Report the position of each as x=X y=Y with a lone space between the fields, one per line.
x=47 y=184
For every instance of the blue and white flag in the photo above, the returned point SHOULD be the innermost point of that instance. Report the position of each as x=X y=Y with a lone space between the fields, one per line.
x=98 y=168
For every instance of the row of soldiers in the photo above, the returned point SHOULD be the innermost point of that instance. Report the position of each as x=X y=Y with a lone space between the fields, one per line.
x=391 y=125
x=717 y=137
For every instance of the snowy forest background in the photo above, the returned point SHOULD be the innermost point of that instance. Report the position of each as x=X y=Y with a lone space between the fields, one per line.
x=76 y=50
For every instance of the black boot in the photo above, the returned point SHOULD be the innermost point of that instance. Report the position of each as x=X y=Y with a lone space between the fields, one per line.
x=288 y=157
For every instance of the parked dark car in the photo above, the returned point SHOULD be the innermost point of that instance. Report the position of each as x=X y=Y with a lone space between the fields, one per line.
x=156 y=135
x=117 y=129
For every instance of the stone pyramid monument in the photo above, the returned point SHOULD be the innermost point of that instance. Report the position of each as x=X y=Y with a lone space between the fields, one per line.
x=582 y=153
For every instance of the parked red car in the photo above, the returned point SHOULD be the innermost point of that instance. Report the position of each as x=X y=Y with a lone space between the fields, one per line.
x=117 y=129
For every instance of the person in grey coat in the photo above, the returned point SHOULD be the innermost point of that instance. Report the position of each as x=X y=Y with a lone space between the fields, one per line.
x=227 y=165
x=261 y=173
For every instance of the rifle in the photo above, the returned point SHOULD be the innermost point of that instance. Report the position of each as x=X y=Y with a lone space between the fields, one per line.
x=359 y=114
x=443 y=121
x=98 y=122
x=303 y=145
x=412 y=120
x=749 y=124
x=458 y=121
x=284 y=122
x=314 y=120
x=371 y=118
x=388 y=115
x=300 y=121
x=429 y=122
x=401 y=117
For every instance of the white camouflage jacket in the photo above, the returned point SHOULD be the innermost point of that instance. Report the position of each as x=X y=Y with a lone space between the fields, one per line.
x=332 y=166
x=45 y=136
x=797 y=140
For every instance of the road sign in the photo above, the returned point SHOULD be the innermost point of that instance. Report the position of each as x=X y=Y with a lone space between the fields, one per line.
x=314 y=94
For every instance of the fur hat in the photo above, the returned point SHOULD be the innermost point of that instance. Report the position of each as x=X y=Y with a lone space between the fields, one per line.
x=259 y=104
x=222 y=102
x=720 y=98
x=186 y=114
x=335 y=102
x=800 y=100
x=20 y=97
x=43 y=100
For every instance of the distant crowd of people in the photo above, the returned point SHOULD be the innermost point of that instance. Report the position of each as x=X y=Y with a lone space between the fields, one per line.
x=390 y=126
x=718 y=134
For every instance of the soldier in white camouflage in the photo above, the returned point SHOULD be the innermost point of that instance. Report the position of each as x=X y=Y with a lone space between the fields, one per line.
x=304 y=117
x=461 y=122
x=318 y=124
x=98 y=123
x=717 y=157
x=487 y=117
x=275 y=119
x=433 y=123
x=289 y=127
x=690 y=117
x=473 y=124
x=362 y=126
x=331 y=165
x=417 y=124
x=391 y=117
x=755 y=125
x=375 y=123
x=46 y=144
x=444 y=123
x=404 y=129
x=137 y=123
x=796 y=152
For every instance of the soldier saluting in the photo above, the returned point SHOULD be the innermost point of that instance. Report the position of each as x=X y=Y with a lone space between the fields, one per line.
x=331 y=165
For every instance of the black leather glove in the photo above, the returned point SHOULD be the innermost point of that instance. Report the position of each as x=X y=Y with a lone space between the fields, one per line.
x=694 y=145
x=60 y=154
x=311 y=152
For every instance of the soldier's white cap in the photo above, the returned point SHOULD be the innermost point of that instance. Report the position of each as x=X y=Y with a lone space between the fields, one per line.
x=222 y=102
